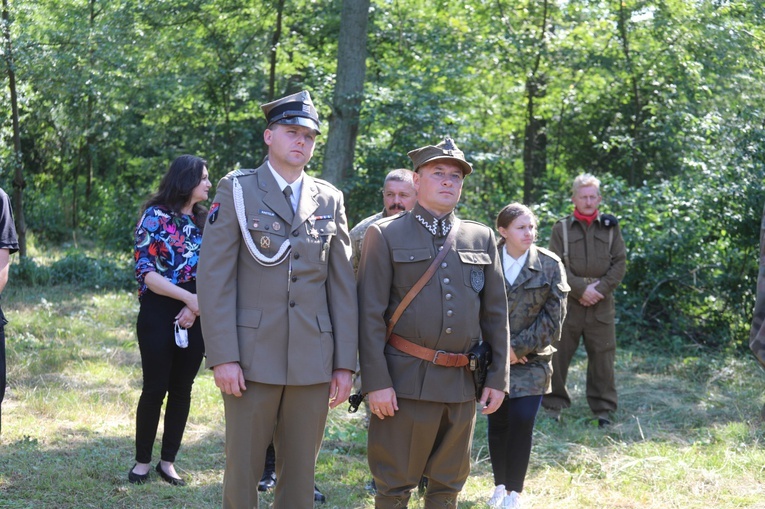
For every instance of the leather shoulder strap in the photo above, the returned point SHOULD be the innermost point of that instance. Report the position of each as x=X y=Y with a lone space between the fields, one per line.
x=565 y=243
x=414 y=290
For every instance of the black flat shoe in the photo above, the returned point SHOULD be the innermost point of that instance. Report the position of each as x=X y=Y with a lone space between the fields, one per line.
x=603 y=422
x=137 y=478
x=318 y=496
x=268 y=481
x=165 y=477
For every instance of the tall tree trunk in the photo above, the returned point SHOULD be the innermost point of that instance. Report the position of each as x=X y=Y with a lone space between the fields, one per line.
x=636 y=173
x=90 y=139
x=534 y=155
x=349 y=91
x=18 y=173
x=535 y=138
x=274 y=45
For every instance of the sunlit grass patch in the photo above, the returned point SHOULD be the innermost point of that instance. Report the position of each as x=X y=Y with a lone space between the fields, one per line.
x=687 y=433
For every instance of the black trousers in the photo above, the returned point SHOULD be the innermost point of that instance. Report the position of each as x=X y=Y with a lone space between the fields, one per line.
x=167 y=370
x=510 y=432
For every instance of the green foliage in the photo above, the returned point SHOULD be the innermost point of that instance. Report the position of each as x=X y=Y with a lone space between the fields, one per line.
x=692 y=261
x=663 y=101
x=77 y=268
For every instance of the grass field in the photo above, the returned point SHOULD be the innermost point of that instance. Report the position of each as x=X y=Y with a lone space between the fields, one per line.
x=688 y=434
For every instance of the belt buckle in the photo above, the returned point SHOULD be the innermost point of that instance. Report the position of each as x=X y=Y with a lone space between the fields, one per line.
x=435 y=357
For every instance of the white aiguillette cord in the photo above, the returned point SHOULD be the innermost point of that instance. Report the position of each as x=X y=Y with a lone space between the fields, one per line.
x=266 y=261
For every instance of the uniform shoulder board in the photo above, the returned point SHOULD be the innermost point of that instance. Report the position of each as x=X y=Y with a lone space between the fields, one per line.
x=548 y=253
x=385 y=220
x=609 y=220
x=325 y=183
x=239 y=173
x=474 y=223
x=397 y=215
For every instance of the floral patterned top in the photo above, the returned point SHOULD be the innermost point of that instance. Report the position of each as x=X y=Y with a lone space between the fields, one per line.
x=166 y=243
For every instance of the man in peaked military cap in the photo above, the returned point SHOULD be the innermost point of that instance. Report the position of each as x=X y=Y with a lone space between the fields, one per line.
x=279 y=305
x=420 y=393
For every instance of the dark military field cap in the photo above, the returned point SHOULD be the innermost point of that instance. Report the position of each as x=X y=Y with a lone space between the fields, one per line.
x=293 y=109
x=444 y=150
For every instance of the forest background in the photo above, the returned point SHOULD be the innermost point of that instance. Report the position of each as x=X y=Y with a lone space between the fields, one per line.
x=661 y=99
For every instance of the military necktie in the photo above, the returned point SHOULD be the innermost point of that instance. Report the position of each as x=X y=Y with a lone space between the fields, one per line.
x=288 y=196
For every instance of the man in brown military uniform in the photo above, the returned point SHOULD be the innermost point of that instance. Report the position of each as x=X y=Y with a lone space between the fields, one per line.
x=592 y=249
x=424 y=410
x=278 y=303
x=399 y=195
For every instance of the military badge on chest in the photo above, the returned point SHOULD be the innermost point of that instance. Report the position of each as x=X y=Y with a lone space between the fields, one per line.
x=476 y=279
x=313 y=232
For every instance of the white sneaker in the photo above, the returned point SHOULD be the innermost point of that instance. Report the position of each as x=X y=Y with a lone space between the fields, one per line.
x=512 y=501
x=498 y=498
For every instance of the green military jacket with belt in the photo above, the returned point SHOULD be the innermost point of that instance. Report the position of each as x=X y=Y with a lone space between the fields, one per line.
x=295 y=321
x=536 y=306
x=462 y=303
x=594 y=253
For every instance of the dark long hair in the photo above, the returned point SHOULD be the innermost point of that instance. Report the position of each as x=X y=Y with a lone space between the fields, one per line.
x=175 y=188
x=510 y=213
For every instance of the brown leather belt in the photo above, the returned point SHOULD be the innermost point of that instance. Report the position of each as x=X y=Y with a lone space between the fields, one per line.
x=439 y=357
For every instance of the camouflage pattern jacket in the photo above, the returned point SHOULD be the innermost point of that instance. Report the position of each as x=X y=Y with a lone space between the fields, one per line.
x=357 y=236
x=536 y=304
x=757 y=334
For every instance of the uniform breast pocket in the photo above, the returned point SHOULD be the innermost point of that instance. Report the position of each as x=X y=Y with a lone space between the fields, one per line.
x=320 y=234
x=474 y=264
x=602 y=247
x=576 y=249
x=537 y=284
x=410 y=265
x=537 y=292
x=268 y=233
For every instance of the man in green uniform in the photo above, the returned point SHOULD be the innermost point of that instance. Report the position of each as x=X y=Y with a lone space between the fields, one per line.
x=278 y=302
x=399 y=195
x=421 y=395
x=592 y=249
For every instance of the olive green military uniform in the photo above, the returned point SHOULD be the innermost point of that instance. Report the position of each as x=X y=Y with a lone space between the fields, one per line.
x=596 y=252
x=463 y=302
x=277 y=295
x=536 y=304
x=757 y=334
x=357 y=236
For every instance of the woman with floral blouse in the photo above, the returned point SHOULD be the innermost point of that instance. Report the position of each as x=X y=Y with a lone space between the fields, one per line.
x=167 y=241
